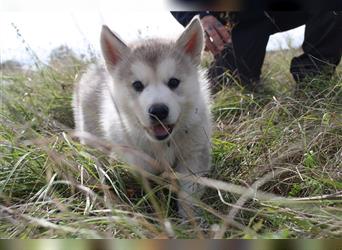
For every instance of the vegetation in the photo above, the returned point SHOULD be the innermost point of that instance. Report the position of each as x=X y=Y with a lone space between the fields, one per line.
x=277 y=160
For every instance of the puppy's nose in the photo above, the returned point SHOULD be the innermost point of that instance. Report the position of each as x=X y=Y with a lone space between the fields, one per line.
x=158 y=112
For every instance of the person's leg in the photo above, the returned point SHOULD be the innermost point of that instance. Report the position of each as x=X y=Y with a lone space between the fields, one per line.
x=250 y=37
x=244 y=57
x=322 y=47
x=286 y=20
x=223 y=64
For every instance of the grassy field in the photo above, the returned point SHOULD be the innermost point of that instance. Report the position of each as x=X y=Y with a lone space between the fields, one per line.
x=276 y=170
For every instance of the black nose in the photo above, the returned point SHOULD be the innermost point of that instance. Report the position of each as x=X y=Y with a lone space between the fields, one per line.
x=158 y=112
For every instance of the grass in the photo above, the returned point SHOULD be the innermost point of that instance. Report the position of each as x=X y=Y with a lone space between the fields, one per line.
x=276 y=170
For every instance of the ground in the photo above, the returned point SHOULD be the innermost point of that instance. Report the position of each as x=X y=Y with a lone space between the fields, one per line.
x=277 y=160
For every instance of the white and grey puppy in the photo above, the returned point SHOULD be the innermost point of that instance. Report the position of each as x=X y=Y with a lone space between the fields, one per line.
x=152 y=97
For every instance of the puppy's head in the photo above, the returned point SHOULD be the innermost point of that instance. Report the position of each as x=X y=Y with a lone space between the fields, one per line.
x=155 y=82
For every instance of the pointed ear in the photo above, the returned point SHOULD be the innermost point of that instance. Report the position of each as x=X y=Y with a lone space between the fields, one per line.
x=113 y=48
x=191 y=40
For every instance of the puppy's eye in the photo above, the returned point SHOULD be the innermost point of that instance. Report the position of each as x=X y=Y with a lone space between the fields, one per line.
x=173 y=83
x=138 y=86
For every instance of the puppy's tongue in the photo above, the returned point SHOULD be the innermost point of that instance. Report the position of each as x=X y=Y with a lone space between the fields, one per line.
x=160 y=131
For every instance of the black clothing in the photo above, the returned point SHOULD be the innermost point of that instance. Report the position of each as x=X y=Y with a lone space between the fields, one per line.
x=322 y=44
x=184 y=17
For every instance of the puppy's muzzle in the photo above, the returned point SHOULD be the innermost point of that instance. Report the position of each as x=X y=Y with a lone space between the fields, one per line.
x=158 y=112
x=158 y=115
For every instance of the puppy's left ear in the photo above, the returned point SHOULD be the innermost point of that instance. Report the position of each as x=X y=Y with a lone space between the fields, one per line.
x=113 y=48
x=191 y=40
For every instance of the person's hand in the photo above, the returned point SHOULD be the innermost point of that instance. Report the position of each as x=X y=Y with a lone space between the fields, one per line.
x=215 y=33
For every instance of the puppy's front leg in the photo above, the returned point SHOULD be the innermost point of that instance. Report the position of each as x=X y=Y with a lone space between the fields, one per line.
x=197 y=165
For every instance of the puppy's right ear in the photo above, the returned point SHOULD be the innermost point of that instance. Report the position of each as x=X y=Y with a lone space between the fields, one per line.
x=113 y=48
x=191 y=41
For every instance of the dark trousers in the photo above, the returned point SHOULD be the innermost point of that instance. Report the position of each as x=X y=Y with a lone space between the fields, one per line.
x=322 y=47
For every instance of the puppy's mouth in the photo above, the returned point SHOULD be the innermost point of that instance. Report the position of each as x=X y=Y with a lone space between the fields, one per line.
x=161 y=131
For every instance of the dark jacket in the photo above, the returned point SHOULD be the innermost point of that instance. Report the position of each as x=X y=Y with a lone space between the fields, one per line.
x=184 y=17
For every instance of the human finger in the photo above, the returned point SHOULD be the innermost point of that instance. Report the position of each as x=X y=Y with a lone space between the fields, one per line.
x=211 y=46
x=215 y=38
x=222 y=31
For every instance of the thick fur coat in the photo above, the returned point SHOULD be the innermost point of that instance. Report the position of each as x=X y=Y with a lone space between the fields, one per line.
x=114 y=102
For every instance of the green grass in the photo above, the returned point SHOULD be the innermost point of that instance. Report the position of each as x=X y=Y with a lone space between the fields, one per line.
x=286 y=145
